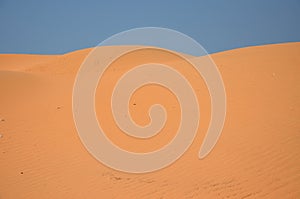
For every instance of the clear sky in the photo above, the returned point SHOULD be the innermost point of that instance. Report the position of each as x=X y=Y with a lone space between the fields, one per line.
x=53 y=27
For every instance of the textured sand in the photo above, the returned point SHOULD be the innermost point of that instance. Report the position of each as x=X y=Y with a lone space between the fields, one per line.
x=257 y=155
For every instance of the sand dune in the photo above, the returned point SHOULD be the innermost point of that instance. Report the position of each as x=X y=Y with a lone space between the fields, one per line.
x=257 y=156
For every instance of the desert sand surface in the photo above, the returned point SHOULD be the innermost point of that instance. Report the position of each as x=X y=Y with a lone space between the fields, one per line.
x=257 y=155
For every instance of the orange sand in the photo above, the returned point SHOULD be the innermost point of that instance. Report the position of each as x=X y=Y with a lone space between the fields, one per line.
x=257 y=155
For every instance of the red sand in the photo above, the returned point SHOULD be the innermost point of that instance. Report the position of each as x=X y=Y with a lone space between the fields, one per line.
x=257 y=155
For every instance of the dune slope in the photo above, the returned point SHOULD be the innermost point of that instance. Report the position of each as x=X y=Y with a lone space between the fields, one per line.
x=257 y=155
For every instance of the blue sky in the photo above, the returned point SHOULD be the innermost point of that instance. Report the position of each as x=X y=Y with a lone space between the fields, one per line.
x=54 y=27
